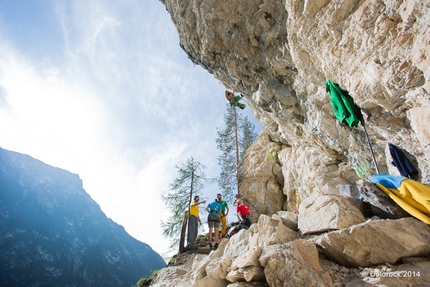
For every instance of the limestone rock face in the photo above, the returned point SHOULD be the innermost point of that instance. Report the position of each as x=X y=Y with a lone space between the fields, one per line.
x=380 y=204
x=377 y=242
x=253 y=257
x=320 y=213
x=261 y=178
x=289 y=219
x=273 y=231
x=279 y=54
x=295 y=264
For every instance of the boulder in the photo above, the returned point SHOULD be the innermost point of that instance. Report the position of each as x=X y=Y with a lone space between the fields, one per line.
x=290 y=219
x=320 y=213
x=376 y=242
x=293 y=264
x=380 y=204
x=250 y=258
x=251 y=273
x=273 y=231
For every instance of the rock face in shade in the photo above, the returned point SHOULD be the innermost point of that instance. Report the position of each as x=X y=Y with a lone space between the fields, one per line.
x=261 y=178
x=53 y=234
x=279 y=54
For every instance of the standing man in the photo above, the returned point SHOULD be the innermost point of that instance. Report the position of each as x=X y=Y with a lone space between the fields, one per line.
x=192 y=221
x=214 y=210
x=224 y=210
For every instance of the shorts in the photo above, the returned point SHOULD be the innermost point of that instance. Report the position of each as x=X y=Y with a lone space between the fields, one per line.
x=213 y=221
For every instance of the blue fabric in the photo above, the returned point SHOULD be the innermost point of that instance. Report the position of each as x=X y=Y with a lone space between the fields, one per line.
x=215 y=206
x=402 y=163
x=389 y=181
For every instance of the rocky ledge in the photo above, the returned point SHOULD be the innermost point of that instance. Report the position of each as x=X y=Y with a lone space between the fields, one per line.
x=289 y=249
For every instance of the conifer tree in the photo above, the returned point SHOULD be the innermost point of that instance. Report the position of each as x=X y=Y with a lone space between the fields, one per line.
x=237 y=135
x=190 y=182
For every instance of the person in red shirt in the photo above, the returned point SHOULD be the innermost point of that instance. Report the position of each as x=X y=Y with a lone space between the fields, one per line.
x=243 y=213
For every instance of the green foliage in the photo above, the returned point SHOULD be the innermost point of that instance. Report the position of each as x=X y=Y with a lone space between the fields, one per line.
x=226 y=143
x=154 y=274
x=190 y=182
x=248 y=135
x=201 y=240
x=172 y=260
x=143 y=282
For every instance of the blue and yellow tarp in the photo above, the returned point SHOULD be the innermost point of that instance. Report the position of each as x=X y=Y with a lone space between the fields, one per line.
x=412 y=196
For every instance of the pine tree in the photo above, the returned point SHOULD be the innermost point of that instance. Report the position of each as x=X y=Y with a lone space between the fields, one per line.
x=237 y=135
x=248 y=135
x=190 y=182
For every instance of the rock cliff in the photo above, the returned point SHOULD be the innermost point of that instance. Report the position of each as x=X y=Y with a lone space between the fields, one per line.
x=279 y=55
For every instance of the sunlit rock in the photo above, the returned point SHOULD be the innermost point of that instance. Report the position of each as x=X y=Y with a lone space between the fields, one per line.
x=279 y=54
x=320 y=213
x=273 y=231
x=376 y=242
x=261 y=177
x=294 y=264
x=290 y=219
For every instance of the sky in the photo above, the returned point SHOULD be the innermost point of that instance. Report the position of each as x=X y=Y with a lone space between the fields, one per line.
x=102 y=89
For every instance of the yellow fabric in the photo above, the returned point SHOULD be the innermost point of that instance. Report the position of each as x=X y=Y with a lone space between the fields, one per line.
x=194 y=210
x=224 y=225
x=413 y=197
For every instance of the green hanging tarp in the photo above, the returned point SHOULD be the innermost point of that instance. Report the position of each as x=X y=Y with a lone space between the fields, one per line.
x=344 y=107
x=346 y=111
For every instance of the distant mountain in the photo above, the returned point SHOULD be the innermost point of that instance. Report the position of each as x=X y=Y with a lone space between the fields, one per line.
x=53 y=234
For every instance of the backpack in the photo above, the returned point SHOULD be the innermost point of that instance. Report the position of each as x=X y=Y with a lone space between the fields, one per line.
x=214 y=212
x=215 y=208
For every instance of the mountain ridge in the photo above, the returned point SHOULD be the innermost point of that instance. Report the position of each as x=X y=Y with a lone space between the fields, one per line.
x=54 y=234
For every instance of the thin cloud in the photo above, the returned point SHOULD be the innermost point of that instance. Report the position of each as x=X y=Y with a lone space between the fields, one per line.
x=121 y=107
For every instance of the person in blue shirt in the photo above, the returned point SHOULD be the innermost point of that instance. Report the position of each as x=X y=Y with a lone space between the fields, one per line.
x=213 y=209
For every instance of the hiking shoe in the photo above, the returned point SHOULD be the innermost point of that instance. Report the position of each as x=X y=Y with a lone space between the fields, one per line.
x=210 y=245
x=215 y=246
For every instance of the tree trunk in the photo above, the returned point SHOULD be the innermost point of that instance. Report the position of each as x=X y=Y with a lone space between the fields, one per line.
x=237 y=148
x=184 y=228
x=187 y=213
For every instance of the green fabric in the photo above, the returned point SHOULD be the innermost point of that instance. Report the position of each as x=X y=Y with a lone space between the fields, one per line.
x=235 y=102
x=345 y=110
x=223 y=205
